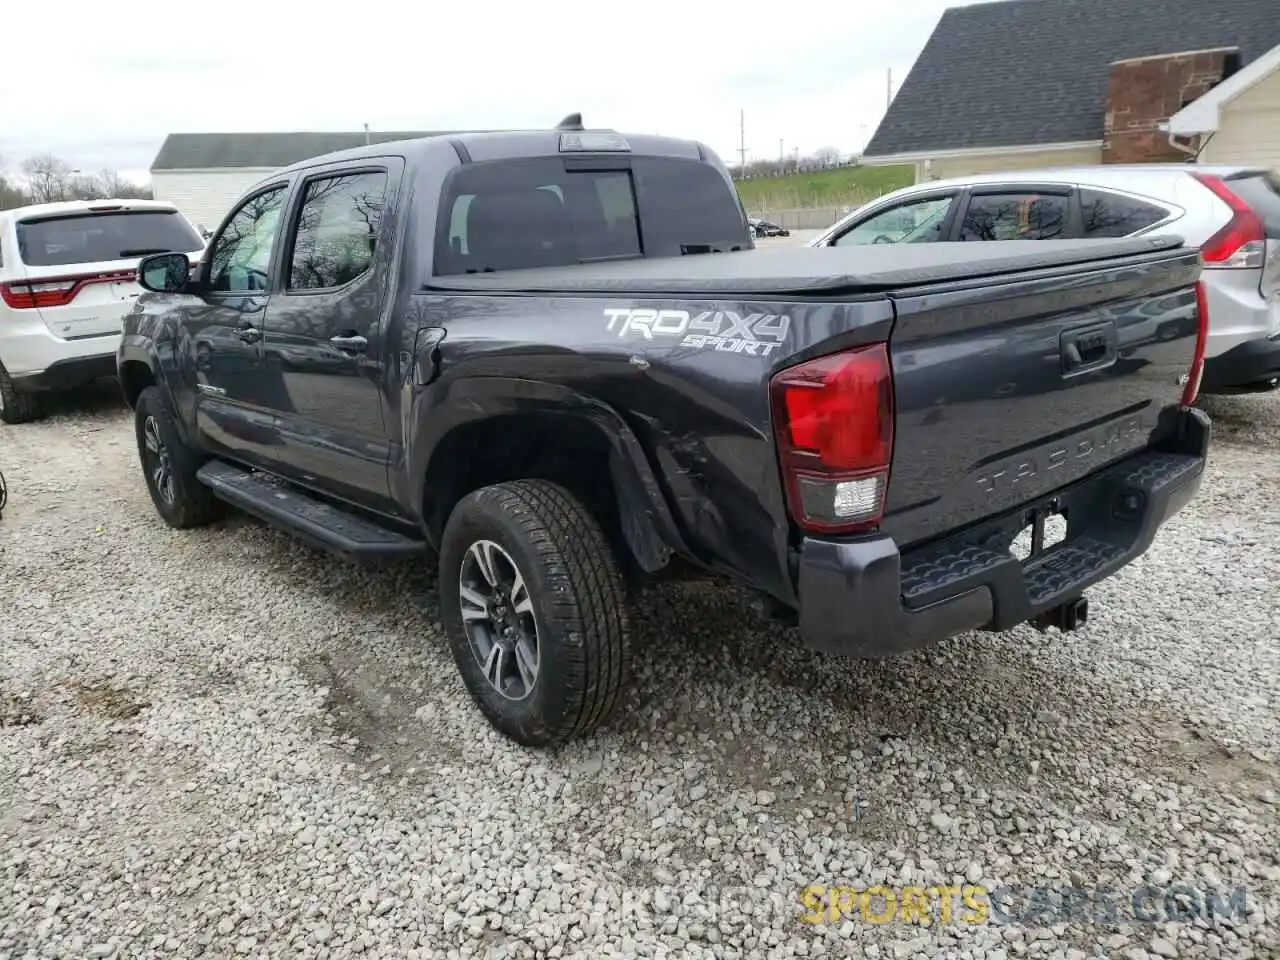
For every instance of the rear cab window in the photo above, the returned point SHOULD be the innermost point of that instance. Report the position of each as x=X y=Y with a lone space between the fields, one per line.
x=76 y=238
x=554 y=211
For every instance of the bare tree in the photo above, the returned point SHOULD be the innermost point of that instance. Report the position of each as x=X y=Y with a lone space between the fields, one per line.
x=10 y=194
x=827 y=157
x=109 y=183
x=48 y=179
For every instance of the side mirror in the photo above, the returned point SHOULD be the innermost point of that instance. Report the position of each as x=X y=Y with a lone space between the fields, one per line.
x=164 y=272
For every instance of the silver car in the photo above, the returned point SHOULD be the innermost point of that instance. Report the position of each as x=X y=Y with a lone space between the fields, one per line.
x=1232 y=213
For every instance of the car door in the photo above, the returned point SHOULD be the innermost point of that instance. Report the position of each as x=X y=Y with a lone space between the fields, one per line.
x=323 y=343
x=224 y=322
x=1018 y=211
x=924 y=218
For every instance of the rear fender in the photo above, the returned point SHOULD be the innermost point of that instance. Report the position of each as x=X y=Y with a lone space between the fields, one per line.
x=443 y=408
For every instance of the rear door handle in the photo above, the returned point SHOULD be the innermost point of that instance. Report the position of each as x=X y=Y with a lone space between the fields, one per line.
x=356 y=344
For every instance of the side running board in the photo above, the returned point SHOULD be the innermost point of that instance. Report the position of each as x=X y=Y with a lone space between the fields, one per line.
x=308 y=519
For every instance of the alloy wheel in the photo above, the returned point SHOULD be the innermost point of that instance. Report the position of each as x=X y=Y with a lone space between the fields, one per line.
x=498 y=618
x=158 y=463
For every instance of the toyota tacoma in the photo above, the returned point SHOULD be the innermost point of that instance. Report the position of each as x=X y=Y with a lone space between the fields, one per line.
x=555 y=361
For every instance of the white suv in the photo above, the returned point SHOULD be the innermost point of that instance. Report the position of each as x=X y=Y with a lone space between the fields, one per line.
x=67 y=277
x=1231 y=213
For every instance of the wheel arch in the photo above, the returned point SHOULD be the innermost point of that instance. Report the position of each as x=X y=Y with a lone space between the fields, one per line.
x=516 y=429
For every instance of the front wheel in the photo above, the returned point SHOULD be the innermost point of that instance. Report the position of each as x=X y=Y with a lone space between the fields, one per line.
x=535 y=610
x=170 y=466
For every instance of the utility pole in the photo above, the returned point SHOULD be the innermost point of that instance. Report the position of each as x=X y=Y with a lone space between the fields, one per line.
x=781 y=152
x=742 y=142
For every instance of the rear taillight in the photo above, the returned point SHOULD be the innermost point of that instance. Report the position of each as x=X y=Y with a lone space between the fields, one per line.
x=55 y=291
x=1196 y=373
x=1242 y=243
x=833 y=418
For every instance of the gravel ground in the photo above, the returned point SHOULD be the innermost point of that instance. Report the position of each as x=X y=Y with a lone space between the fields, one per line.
x=221 y=743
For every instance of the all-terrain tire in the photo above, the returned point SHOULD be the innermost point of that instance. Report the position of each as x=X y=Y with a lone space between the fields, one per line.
x=15 y=406
x=188 y=502
x=579 y=605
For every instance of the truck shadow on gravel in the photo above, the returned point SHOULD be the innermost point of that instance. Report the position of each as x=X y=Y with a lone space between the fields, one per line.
x=756 y=711
x=97 y=400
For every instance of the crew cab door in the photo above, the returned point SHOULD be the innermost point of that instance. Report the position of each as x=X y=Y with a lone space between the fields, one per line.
x=323 y=341
x=224 y=325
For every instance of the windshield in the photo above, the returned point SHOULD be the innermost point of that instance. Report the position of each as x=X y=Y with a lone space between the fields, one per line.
x=552 y=211
x=100 y=237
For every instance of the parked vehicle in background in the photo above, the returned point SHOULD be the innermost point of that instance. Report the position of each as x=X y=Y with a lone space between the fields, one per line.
x=554 y=359
x=1232 y=213
x=67 y=277
x=763 y=228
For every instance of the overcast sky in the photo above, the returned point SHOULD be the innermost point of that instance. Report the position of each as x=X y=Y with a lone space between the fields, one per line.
x=110 y=88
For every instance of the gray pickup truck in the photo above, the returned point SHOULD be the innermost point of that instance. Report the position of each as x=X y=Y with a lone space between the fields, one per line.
x=556 y=361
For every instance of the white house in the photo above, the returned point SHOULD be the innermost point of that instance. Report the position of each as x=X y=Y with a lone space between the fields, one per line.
x=1041 y=83
x=203 y=174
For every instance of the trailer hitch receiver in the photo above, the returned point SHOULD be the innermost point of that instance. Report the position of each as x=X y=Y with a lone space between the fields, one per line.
x=1068 y=616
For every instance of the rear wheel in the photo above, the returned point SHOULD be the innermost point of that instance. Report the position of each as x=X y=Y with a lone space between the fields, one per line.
x=535 y=609
x=170 y=466
x=15 y=406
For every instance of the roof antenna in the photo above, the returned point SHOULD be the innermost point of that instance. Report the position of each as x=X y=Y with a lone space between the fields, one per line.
x=572 y=122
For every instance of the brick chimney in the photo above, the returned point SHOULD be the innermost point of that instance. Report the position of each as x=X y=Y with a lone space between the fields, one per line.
x=1146 y=91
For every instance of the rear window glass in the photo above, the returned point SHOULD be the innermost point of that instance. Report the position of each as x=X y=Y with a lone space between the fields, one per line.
x=1262 y=192
x=1108 y=214
x=510 y=215
x=99 y=237
x=1014 y=216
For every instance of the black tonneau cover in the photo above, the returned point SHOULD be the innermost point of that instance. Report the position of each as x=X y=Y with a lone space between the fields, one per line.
x=799 y=271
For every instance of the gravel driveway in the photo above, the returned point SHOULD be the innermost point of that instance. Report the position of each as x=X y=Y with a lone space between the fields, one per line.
x=221 y=743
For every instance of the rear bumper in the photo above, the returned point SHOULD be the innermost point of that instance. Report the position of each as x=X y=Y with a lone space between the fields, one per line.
x=1249 y=365
x=864 y=598
x=38 y=360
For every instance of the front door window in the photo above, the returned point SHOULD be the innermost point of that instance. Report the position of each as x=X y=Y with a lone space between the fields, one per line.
x=240 y=257
x=916 y=221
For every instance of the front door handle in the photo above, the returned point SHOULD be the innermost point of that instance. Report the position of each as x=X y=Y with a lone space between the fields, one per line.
x=356 y=344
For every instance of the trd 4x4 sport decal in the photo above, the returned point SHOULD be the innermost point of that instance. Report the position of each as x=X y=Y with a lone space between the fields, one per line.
x=757 y=334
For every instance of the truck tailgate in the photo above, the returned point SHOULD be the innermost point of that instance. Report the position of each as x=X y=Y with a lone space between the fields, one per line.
x=1005 y=391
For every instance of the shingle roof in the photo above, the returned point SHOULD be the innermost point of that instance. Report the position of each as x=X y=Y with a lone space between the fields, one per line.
x=205 y=151
x=1035 y=71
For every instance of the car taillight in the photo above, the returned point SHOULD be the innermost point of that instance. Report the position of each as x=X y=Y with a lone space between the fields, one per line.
x=1242 y=243
x=29 y=296
x=1196 y=373
x=833 y=418
x=55 y=291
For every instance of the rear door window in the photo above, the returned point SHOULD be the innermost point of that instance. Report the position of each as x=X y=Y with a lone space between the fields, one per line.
x=1105 y=214
x=1015 y=215
x=337 y=230
x=509 y=215
x=100 y=237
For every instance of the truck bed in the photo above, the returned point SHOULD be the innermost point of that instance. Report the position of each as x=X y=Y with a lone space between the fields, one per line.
x=804 y=271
